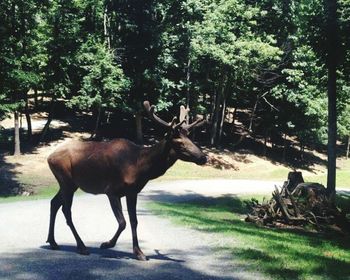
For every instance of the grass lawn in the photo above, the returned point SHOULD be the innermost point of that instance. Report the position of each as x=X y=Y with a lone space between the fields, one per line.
x=190 y=171
x=41 y=193
x=262 y=170
x=343 y=175
x=279 y=254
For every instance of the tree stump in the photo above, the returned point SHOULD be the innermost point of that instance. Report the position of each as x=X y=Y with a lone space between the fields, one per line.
x=294 y=178
x=298 y=204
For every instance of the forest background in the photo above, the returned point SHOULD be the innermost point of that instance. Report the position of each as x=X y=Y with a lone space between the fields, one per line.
x=258 y=71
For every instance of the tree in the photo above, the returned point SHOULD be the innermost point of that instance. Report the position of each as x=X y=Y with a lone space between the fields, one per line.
x=230 y=38
x=332 y=62
x=103 y=81
x=17 y=70
x=134 y=34
x=62 y=43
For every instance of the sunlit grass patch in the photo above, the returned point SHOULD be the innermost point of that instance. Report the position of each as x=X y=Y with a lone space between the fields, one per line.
x=40 y=193
x=342 y=172
x=257 y=171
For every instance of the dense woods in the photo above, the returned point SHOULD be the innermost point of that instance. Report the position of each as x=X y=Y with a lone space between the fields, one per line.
x=257 y=68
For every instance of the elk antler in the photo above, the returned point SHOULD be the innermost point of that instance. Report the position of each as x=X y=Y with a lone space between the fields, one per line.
x=183 y=113
x=150 y=112
x=197 y=123
x=184 y=116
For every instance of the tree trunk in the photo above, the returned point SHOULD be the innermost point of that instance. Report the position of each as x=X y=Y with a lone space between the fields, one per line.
x=188 y=78
x=284 y=148
x=48 y=122
x=265 y=142
x=348 y=148
x=213 y=113
x=105 y=27
x=301 y=150
x=223 y=111
x=36 y=98
x=332 y=50
x=28 y=119
x=234 y=113
x=332 y=130
x=253 y=114
x=215 y=117
x=233 y=120
x=17 y=150
x=97 y=123
x=139 y=134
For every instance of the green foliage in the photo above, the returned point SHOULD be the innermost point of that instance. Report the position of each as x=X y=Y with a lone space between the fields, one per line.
x=344 y=122
x=303 y=97
x=17 y=46
x=269 y=55
x=6 y=106
x=228 y=36
x=135 y=37
x=62 y=43
x=103 y=81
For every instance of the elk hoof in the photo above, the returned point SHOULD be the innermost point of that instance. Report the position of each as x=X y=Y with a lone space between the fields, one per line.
x=53 y=245
x=107 y=245
x=140 y=255
x=83 y=251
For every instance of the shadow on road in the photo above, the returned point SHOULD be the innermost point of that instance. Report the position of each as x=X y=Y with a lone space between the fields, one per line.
x=101 y=264
x=186 y=196
x=113 y=254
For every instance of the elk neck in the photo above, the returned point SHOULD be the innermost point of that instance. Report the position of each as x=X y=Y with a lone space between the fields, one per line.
x=156 y=160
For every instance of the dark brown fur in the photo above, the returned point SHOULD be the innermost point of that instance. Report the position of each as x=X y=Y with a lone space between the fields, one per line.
x=117 y=168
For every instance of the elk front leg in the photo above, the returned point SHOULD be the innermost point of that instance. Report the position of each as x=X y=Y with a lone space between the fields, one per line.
x=118 y=213
x=131 y=201
x=56 y=203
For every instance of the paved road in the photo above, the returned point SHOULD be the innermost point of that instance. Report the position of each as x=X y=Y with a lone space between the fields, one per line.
x=174 y=252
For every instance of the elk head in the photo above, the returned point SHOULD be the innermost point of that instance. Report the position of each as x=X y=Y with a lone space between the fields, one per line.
x=177 y=136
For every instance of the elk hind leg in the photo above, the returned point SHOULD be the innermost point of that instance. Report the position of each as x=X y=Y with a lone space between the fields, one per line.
x=118 y=213
x=67 y=197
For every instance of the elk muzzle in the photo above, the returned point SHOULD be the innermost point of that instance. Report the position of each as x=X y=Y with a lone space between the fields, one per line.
x=186 y=150
x=202 y=160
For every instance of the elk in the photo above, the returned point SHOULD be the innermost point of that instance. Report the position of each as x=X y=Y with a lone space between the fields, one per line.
x=117 y=168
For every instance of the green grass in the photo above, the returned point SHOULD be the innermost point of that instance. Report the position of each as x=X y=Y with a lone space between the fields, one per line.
x=190 y=171
x=41 y=193
x=279 y=254
x=343 y=175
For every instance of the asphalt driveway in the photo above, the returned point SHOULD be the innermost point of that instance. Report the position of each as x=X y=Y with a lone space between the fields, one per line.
x=174 y=252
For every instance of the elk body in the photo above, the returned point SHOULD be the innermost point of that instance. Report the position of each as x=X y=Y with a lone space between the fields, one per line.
x=117 y=168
